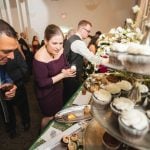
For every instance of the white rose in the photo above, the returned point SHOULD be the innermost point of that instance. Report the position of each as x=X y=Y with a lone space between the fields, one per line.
x=137 y=30
x=120 y=29
x=129 y=21
x=112 y=31
x=130 y=35
x=135 y=9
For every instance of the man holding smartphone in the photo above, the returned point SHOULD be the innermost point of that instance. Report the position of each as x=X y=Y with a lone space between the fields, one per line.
x=8 y=43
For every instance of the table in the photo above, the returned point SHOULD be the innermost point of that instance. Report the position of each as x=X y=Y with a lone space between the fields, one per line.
x=55 y=127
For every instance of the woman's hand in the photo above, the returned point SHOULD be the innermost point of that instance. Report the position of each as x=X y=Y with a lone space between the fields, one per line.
x=68 y=73
x=8 y=90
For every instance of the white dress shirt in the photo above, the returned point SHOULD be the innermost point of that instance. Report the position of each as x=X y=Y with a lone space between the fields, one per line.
x=80 y=48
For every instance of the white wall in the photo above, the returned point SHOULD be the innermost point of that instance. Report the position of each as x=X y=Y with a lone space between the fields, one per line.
x=104 y=14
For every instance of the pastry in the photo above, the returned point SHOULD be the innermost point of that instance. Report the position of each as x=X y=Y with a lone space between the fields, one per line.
x=94 y=87
x=73 y=68
x=113 y=89
x=143 y=90
x=87 y=110
x=133 y=124
x=138 y=58
x=138 y=49
x=71 y=116
x=72 y=146
x=101 y=98
x=113 y=79
x=114 y=59
x=74 y=137
x=120 y=104
x=119 y=47
x=65 y=139
x=125 y=87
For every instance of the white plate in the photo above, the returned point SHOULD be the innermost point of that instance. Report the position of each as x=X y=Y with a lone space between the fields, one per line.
x=76 y=111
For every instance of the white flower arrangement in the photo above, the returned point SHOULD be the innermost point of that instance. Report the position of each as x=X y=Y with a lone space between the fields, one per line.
x=130 y=33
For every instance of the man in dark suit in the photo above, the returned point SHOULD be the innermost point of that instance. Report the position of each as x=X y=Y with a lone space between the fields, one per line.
x=8 y=43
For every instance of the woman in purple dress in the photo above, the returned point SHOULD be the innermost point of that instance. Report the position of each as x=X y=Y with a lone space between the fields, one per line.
x=50 y=67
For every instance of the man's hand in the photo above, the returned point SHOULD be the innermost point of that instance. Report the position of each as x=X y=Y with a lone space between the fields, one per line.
x=8 y=90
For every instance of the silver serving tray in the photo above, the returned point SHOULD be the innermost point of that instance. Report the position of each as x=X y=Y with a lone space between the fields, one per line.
x=77 y=111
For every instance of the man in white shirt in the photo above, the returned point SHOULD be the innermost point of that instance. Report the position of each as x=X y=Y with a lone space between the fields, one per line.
x=75 y=50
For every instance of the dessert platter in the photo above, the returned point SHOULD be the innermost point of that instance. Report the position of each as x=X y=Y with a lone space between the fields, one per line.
x=108 y=81
x=74 y=114
x=114 y=125
x=121 y=105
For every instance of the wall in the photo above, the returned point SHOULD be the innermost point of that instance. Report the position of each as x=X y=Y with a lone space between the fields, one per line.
x=37 y=14
x=104 y=14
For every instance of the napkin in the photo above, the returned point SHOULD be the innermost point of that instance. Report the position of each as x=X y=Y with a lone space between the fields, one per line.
x=51 y=133
x=82 y=99
x=51 y=144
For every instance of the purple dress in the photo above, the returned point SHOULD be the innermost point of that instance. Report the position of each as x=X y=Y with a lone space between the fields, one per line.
x=49 y=95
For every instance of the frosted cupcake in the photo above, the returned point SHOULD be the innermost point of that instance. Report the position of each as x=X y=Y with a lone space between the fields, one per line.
x=137 y=60
x=120 y=104
x=101 y=98
x=133 y=124
x=143 y=90
x=148 y=115
x=125 y=87
x=113 y=89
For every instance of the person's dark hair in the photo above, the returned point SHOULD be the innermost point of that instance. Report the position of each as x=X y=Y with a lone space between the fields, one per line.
x=98 y=33
x=52 y=30
x=7 y=29
x=84 y=23
x=33 y=37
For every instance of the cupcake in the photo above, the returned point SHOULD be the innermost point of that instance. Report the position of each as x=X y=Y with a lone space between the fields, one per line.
x=113 y=59
x=113 y=78
x=113 y=89
x=65 y=140
x=137 y=60
x=101 y=98
x=120 y=104
x=148 y=115
x=133 y=124
x=94 y=87
x=87 y=110
x=125 y=87
x=119 y=47
x=74 y=137
x=143 y=90
x=72 y=146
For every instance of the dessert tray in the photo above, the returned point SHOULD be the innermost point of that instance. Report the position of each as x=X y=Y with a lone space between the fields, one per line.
x=134 y=63
x=74 y=114
x=109 y=121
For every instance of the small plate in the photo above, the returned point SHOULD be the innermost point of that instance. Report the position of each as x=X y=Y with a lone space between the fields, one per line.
x=74 y=114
